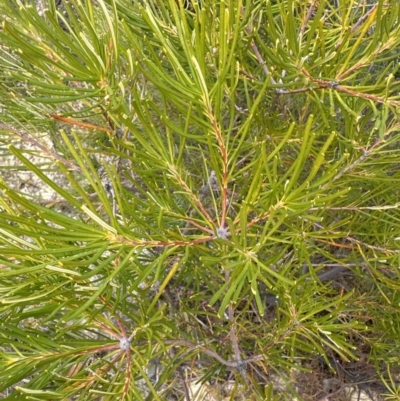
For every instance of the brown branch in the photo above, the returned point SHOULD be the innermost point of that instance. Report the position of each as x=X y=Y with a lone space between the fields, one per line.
x=354 y=241
x=373 y=247
x=324 y=84
x=192 y=222
x=367 y=96
x=308 y=16
x=80 y=123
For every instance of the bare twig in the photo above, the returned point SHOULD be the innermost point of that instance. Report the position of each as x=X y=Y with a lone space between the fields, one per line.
x=184 y=385
x=308 y=16
x=351 y=166
x=235 y=344
x=260 y=60
x=189 y=192
x=357 y=24
x=213 y=354
x=27 y=138
x=204 y=192
x=356 y=242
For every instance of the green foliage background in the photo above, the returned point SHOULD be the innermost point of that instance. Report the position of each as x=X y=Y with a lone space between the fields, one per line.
x=213 y=157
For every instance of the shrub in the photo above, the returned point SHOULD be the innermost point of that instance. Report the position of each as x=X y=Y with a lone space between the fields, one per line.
x=215 y=195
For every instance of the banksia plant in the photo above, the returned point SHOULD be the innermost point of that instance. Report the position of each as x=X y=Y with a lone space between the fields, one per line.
x=197 y=197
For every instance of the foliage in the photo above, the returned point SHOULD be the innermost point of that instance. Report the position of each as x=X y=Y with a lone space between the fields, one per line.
x=209 y=163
